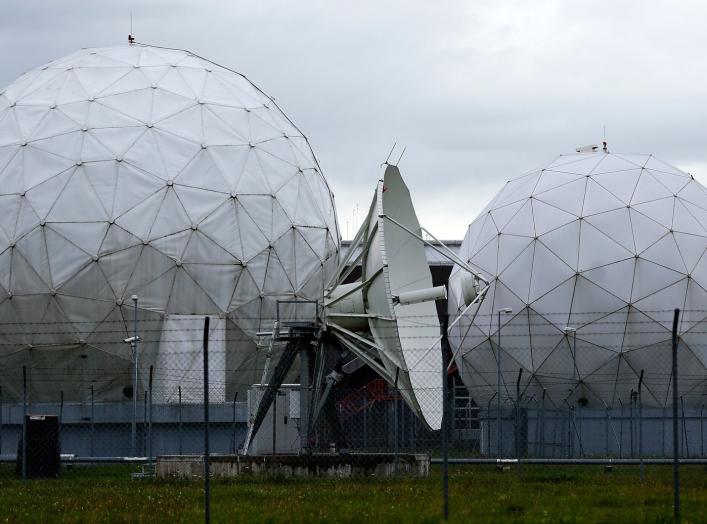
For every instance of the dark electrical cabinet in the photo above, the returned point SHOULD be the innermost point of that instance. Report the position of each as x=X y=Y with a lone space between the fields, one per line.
x=43 y=449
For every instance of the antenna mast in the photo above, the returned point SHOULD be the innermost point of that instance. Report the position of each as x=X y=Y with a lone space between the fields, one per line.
x=131 y=38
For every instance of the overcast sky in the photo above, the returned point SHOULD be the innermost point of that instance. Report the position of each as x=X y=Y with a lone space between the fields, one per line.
x=479 y=91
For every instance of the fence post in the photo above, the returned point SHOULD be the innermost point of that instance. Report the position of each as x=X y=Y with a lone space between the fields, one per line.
x=134 y=347
x=676 y=460
x=92 y=426
x=499 y=422
x=395 y=425
x=445 y=423
x=632 y=401
x=606 y=431
x=578 y=430
x=179 y=390
x=61 y=412
x=488 y=424
x=0 y=420
x=702 y=428
x=686 y=449
x=570 y=438
x=403 y=435
x=621 y=430
x=542 y=427
x=536 y=427
x=207 y=484
x=640 y=425
x=413 y=432
x=233 y=446
x=24 y=422
x=517 y=421
x=274 y=423
x=144 y=424
x=662 y=430
x=149 y=427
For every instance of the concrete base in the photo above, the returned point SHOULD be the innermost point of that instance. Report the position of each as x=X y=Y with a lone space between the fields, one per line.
x=315 y=465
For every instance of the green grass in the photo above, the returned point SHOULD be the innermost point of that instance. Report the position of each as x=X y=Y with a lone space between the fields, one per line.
x=477 y=494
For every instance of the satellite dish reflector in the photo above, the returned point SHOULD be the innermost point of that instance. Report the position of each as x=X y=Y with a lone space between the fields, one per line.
x=388 y=317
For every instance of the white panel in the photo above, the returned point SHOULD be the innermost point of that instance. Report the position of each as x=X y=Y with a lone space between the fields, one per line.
x=487 y=232
x=502 y=215
x=606 y=332
x=89 y=282
x=648 y=188
x=695 y=193
x=564 y=243
x=646 y=231
x=591 y=302
x=204 y=173
x=616 y=225
x=621 y=184
x=581 y=164
x=658 y=165
x=660 y=210
x=517 y=275
x=596 y=249
x=486 y=259
x=515 y=341
x=641 y=330
x=220 y=290
x=551 y=179
x=548 y=218
x=548 y=272
x=509 y=248
x=201 y=249
x=187 y=295
x=616 y=278
x=617 y=163
x=521 y=223
x=649 y=278
x=589 y=357
x=555 y=305
x=199 y=203
x=688 y=218
x=693 y=312
x=568 y=197
x=598 y=200
x=518 y=189
x=660 y=305
x=170 y=218
x=666 y=253
x=65 y=258
x=544 y=337
x=180 y=350
x=133 y=187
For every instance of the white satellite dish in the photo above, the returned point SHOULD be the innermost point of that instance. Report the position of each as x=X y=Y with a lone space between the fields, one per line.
x=388 y=318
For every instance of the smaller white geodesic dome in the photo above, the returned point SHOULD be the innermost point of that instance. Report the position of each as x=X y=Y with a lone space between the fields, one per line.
x=595 y=249
x=149 y=171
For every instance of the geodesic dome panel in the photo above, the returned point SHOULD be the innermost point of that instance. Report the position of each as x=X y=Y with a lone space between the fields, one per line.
x=154 y=172
x=592 y=253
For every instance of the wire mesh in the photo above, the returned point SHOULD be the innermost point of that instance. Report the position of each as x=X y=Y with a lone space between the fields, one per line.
x=81 y=403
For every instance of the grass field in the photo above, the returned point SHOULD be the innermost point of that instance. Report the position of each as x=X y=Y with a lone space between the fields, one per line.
x=477 y=494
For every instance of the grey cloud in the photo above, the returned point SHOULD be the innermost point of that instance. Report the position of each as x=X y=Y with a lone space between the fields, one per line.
x=479 y=92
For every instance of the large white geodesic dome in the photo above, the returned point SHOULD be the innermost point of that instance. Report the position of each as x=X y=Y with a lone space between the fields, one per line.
x=149 y=171
x=592 y=253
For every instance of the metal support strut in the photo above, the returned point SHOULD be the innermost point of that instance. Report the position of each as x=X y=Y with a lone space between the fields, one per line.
x=283 y=366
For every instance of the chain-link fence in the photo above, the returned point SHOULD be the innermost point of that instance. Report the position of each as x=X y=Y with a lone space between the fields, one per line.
x=130 y=395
